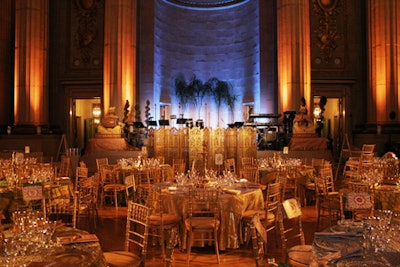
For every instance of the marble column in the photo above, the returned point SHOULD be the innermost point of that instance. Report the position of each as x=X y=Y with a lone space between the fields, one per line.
x=30 y=70
x=6 y=63
x=294 y=65
x=384 y=61
x=120 y=55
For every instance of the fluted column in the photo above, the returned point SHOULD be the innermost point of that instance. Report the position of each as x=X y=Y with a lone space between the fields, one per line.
x=384 y=60
x=119 y=54
x=30 y=71
x=6 y=59
x=294 y=67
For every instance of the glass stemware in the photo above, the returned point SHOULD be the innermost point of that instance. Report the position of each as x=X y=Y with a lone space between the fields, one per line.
x=11 y=250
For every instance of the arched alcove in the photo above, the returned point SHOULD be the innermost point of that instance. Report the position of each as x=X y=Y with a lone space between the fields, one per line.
x=207 y=41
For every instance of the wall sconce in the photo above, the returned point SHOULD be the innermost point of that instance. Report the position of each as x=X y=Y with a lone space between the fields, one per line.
x=96 y=111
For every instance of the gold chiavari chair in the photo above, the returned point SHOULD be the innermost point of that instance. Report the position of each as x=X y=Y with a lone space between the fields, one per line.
x=130 y=186
x=268 y=215
x=179 y=166
x=65 y=167
x=80 y=173
x=61 y=203
x=136 y=237
x=87 y=193
x=354 y=165
x=251 y=174
x=327 y=199
x=100 y=162
x=259 y=239
x=248 y=162
x=170 y=247
x=202 y=218
x=110 y=186
x=291 y=230
x=230 y=165
x=161 y=223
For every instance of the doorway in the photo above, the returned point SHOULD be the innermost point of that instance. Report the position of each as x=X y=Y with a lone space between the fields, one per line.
x=336 y=124
x=331 y=116
x=87 y=116
x=82 y=100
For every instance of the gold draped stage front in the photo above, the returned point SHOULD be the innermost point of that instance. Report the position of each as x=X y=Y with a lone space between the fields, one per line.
x=206 y=147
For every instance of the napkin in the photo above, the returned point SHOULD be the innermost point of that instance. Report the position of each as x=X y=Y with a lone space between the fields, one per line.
x=64 y=240
x=232 y=191
x=351 y=251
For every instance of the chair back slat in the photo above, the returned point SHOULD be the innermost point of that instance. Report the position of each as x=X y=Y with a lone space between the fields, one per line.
x=137 y=229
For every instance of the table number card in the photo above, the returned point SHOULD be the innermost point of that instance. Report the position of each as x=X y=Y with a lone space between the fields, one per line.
x=292 y=208
x=285 y=150
x=32 y=192
x=218 y=159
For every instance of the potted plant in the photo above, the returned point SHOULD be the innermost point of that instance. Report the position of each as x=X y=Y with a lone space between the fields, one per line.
x=125 y=119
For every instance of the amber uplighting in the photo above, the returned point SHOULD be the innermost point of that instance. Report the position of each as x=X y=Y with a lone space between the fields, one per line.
x=30 y=88
x=384 y=60
x=119 y=71
x=294 y=67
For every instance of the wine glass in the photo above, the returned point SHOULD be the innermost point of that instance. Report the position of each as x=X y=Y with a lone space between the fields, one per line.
x=11 y=250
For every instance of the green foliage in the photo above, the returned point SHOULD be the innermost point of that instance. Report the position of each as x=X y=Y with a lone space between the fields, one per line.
x=195 y=91
x=137 y=112
x=180 y=90
x=126 y=111
x=147 y=111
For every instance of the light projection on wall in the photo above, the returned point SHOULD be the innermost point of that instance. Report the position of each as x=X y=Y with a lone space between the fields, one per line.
x=220 y=42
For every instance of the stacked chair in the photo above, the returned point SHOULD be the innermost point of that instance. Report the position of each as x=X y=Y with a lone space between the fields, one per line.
x=354 y=165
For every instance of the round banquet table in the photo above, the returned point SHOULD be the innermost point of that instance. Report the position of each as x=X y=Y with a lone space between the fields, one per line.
x=342 y=246
x=74 y=254
x=232 y=204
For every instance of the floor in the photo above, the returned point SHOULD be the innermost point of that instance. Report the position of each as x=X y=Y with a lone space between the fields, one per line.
x=111 y=229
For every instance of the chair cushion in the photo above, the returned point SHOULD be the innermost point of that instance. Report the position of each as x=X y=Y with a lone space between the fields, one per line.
x=301 y=254
x=202 y=223
x=167 y=219
x=358 y=200
x=310 y=186
x=122 y=258
x=111 y=187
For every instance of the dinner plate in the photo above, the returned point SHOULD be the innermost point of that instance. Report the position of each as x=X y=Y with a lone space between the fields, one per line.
x=334 y=244
x=71 y=257
x=350 y=228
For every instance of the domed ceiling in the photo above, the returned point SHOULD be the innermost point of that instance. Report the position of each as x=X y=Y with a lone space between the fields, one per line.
x=206 y=3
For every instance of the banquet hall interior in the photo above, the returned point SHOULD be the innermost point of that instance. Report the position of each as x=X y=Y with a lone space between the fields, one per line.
x=107 y=106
